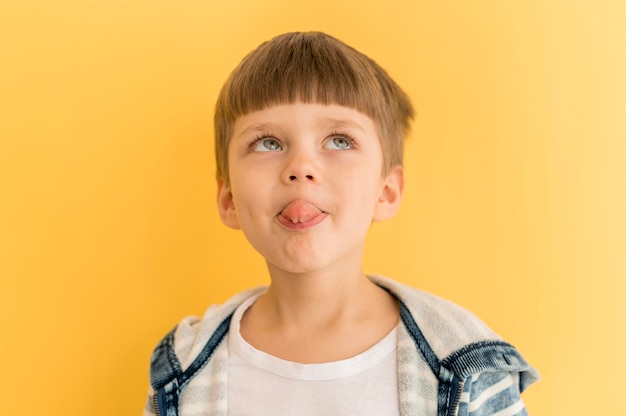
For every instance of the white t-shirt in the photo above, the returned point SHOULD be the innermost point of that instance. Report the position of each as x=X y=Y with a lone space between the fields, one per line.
x=263 y=385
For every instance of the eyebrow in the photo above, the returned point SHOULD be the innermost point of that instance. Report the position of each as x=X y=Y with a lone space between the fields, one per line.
x=328 y=123
x=258 y=128
x=340 y=123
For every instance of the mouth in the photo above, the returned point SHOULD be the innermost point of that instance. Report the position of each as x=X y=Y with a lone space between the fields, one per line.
x=300 y=214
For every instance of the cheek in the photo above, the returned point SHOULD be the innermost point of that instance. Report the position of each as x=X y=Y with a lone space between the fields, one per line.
x=360 y=197
x=250 y=201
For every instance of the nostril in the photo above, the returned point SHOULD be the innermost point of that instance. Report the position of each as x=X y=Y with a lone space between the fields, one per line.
x=295 y=177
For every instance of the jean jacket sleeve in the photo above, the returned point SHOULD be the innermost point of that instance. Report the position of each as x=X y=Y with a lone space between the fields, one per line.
x=490 y=394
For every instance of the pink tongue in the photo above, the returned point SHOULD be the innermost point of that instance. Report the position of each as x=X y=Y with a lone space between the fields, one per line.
x=300 y=211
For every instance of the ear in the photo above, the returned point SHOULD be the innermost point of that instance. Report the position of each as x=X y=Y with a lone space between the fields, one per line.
x=226 y=205
x=391 y=194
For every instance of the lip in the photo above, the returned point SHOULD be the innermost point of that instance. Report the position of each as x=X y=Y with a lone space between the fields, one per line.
x=299 y=215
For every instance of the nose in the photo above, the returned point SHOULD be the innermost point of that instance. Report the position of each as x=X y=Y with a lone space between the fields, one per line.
x=301 y=167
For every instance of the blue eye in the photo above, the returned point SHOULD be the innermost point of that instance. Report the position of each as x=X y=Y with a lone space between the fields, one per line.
x=266 y=145
x=338 y=143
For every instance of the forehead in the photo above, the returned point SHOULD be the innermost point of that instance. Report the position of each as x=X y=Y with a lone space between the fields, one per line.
x=303 y=115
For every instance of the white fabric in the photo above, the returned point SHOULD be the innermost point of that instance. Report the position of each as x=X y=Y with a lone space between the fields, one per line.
x=261 y=384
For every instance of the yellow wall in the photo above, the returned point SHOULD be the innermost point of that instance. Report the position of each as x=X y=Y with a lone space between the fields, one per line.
x=108 y=230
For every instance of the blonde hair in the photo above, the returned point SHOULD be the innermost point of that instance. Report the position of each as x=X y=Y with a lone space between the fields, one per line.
x=312 y=67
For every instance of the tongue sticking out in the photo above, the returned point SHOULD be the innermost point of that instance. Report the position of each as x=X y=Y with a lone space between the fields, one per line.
x=300 y=212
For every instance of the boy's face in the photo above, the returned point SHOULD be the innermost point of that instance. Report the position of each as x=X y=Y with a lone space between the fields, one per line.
x=305 y=184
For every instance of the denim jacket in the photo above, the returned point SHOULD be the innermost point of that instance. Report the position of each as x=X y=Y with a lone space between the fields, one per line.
x=446 y=358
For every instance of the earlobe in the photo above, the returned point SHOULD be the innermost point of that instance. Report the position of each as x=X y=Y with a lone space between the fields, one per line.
x=226 y=205
x=391 y=194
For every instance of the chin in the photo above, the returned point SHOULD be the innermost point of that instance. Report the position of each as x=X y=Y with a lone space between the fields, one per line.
x=302 y=263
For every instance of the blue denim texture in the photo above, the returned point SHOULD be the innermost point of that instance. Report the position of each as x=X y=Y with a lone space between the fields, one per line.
x=166 y=374
x=480 y=357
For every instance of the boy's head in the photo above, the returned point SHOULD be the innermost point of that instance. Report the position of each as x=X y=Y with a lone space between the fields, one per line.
x=312 y=68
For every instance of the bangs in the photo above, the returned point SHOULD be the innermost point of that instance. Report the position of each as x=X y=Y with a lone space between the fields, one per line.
x=302 y=67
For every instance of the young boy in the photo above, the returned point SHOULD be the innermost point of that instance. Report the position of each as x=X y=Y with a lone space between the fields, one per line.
x=309 y=142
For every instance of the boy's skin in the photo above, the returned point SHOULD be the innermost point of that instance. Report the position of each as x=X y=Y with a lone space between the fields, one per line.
x=306 y=181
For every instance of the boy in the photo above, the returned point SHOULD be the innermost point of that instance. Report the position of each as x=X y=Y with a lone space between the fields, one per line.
x=309 y=141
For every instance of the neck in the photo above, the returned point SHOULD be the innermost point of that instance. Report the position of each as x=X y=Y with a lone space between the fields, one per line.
x=312 y=299
x=319 y=317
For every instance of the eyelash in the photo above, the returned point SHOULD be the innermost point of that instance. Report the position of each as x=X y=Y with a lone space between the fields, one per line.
x=264 y=136
x=349 y=138
x=260 y=137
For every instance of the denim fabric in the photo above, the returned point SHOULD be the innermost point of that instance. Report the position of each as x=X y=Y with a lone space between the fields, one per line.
x=489 y=356
x=164 y=365
x=166 y=375
x=480 y=357
x=504 y=398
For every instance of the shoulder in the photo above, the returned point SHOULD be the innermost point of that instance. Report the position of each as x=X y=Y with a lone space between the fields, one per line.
x=455 y=341
x=190 y=336
x=446 y=326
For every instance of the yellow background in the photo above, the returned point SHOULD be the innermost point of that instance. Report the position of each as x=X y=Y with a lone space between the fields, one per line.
x=109 y=234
